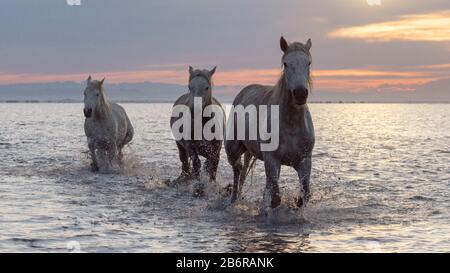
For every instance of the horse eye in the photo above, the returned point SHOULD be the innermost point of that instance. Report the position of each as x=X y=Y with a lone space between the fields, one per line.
x=285 y=64
x=206 y=88
x=96 y=95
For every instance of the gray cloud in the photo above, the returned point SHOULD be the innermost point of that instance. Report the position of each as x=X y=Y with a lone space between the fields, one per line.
x=48 y=36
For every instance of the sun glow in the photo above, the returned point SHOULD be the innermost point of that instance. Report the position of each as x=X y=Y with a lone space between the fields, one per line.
x=432 y=27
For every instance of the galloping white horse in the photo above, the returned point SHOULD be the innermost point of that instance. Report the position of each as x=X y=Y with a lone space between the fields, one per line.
x=296 y=130
x=200 y=86
x=107 y=126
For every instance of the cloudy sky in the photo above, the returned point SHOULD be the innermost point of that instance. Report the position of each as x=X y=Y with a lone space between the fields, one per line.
x=387 y=46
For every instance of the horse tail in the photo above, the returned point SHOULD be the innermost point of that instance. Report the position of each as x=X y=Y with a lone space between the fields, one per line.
x=128 y=136
x=130 y=133
x=249 y=165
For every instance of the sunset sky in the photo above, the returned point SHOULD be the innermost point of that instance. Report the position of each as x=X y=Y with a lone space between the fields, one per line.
x=396 y=46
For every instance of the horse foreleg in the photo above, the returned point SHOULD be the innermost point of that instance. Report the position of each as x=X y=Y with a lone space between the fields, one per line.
x=304 y=173
x=234 y=150
x=196 y=163
x=243 y=175
x=94 y=164
x=120 y=156
x=272 y=168
x=112 y=155
x=199 y=186
x=211 y=165
x=185 y=165
x=237 y=169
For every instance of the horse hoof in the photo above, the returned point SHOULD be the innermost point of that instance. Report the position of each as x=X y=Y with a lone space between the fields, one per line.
x=178 y=181
x=94 y=168
x=276 y=202
x=302 y=201
x=199 y=190
x=226 y=191
x=168 y=182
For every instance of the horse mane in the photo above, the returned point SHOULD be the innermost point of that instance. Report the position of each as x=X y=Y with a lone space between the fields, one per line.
x=280 y=86
x=103 y=108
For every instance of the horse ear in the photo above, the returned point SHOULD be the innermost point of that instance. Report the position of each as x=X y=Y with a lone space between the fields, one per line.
x=283 y=44
x=212 y=71
x=101 y=82
x=89 y=79
x=308 y=44
x=191 y=70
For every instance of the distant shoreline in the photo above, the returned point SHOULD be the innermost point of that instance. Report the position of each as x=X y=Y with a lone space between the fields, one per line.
x=226 y=101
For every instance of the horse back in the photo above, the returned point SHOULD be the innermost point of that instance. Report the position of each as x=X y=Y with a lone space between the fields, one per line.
x=182 y=100
x=185 y=100
x=119 y=113
x=122 y=120
x=254 y=94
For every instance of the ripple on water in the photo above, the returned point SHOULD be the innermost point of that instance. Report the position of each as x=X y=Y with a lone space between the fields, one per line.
x=373 y=187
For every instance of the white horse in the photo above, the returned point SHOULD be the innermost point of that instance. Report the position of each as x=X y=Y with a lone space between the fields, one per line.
x=200 y=86
x=107 y=126
x=296 y=129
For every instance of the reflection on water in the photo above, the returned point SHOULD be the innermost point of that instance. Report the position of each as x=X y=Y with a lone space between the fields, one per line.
x=380 y=182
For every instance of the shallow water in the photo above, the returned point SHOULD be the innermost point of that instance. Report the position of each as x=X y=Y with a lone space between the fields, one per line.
x=381 y=182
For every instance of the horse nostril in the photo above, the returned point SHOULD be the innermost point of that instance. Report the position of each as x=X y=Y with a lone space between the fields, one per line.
x=87 y=112
x=300 y=92
x=300 y=95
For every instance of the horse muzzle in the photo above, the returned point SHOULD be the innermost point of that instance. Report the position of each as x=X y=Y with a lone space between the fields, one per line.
x=87 y=112
x=300 y=95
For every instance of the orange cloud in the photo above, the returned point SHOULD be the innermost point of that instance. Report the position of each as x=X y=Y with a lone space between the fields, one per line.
x=433 y=27
x=351 y=80
x=366 y=73
x=234 y=77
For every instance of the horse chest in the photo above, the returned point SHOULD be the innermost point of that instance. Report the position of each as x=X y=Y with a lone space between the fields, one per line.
x=295 y=144
x=100 y=132
x=295 y=149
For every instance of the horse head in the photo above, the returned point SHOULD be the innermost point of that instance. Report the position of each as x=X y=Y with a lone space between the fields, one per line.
x=200 y=84
x=296 y=69
x=93 y=96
